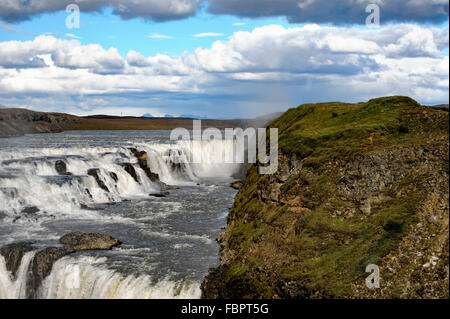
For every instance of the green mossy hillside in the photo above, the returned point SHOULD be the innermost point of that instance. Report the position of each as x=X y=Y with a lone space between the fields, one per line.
x=358 y=177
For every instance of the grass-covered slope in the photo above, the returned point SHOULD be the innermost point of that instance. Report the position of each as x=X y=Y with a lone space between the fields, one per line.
x=357 y=184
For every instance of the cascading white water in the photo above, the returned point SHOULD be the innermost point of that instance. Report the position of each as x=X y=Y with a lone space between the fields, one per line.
x=14 y=288
x=33 y=195
x=85 y=278
x=30 y=179
x=163 y=159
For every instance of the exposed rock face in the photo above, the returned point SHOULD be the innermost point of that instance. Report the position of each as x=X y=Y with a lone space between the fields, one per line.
x=114 y=176
x=214 y=284
x=356 y=185
x=94 y=172
x=236 y=185
x=44 y=259
x=16 y=122
x=41 y=267
x=13 y=254
x=142 y=160
x=129 y=168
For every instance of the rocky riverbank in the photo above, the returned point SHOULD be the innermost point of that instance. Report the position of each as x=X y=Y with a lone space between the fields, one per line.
x=357 y=184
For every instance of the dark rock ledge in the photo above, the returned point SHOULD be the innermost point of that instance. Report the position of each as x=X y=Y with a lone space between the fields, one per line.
x=44 y=259
x=141 y=157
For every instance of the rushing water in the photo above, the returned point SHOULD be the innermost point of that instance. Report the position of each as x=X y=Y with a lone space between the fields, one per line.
x=168 y=242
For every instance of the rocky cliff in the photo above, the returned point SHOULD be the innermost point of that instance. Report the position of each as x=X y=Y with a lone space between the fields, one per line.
x=357 y=184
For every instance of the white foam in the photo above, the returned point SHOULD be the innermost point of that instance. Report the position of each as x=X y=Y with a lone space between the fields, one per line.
x=14 y=288
x=35 y=181
x=85 y=278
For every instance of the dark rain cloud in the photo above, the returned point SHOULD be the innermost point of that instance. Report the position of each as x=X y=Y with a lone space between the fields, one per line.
x=316 y=11
x=335 y=11
x=157 y=10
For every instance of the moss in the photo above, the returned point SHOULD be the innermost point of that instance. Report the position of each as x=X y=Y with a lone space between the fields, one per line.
x=310 y=130
x=321 y=254
x=274 y=215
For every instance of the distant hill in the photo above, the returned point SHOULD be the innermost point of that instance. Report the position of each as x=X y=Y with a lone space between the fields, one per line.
x=147 y=115
x=103 y=116
x=17 y=122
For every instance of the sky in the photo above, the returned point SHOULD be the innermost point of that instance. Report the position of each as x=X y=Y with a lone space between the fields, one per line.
x=218 y=58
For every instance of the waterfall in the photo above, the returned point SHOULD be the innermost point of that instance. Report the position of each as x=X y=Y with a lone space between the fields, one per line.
x=41 y=187
x=175 y=162
x=29 y=178
x=85 y=278
x=15 y=288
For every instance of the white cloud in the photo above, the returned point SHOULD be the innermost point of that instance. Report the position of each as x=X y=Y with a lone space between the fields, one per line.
x=159 y=36
x=238 y=24
x=160 y=64
x=317 y=50
x=73 y=36
x=208 y=34
x=258 y=71
x=69 y=54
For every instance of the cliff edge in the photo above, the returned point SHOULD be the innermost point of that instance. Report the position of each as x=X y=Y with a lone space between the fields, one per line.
x=357 y=184
x=17 y=122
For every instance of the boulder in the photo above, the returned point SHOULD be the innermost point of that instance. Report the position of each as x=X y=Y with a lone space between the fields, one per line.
x=94 y=241
x=61 y=168
x=162 y=194
x=30 y=210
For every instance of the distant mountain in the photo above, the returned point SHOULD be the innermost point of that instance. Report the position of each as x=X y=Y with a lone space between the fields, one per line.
x=168 y=116
x=147 y=115
x=2 y=106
